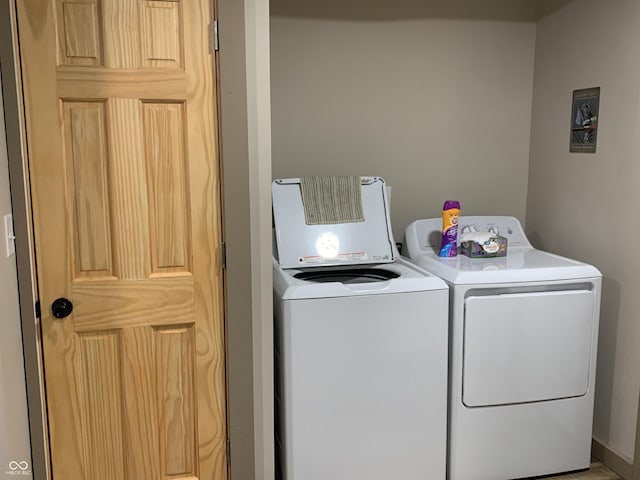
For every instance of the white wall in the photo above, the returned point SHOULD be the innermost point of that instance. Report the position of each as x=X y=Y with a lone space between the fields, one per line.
x=584 y=205
x=437 y=104
x=14 y=433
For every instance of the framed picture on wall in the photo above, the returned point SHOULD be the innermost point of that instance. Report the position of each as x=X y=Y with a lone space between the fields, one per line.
x=584 y=120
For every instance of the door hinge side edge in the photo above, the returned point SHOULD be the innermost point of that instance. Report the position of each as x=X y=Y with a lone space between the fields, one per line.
x=37 y=310
x=228 y=447
x=215 y=40
x=223 y=255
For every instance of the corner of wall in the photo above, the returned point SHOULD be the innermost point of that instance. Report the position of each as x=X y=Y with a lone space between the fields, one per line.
x=246 y=158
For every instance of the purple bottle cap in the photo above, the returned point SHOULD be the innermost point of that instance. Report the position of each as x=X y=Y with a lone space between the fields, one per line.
x=448 y=204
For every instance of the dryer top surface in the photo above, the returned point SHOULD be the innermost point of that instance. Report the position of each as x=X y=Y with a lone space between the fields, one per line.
x=523 y=263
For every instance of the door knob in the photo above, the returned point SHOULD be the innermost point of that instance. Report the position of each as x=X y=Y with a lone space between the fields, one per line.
x=61 y=307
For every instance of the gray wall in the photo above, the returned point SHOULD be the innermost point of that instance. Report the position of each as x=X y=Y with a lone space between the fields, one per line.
x=437 y=104
x=583 y=205
x=14 y=429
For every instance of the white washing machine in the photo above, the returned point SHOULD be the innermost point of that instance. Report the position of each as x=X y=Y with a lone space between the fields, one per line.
x=522 y=354
x=360 y=348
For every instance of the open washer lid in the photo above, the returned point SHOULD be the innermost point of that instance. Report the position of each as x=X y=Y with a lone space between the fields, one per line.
x=301 y=245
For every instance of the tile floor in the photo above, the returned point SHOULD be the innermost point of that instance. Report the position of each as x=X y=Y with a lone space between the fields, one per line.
x=596 y=472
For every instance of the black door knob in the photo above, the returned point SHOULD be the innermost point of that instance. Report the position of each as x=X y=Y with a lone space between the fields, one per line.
x=61 y=307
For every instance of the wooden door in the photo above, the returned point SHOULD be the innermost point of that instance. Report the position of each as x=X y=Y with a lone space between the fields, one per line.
x=120 y=112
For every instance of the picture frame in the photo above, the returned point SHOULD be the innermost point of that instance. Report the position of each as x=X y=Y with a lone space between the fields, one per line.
x=584 y=120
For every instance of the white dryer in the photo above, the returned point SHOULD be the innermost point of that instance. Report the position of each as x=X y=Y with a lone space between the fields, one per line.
x=360 y=348
x=523 y=339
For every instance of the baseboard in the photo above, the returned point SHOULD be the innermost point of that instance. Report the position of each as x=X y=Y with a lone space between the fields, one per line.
x=612 y=460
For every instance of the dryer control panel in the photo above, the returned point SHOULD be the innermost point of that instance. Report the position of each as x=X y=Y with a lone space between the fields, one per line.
x=508 y=227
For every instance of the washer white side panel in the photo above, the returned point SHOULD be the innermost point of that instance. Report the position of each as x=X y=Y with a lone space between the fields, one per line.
x=526 y=347
x=364 y=387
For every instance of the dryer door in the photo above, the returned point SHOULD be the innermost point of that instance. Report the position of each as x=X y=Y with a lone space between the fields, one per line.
x=527 y=347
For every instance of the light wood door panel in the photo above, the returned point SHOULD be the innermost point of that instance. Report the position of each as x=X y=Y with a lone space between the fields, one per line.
x=120 y=111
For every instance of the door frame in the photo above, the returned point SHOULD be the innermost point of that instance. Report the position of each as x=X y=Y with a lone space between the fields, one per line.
x=245 y=137
x=21 y=205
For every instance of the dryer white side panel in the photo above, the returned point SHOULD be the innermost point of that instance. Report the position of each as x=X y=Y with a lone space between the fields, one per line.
x=527 y=347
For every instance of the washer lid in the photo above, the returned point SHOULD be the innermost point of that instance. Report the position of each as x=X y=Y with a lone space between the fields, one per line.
x=301 y=245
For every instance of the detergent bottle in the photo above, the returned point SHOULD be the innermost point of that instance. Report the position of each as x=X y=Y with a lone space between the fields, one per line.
x=450 y=217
